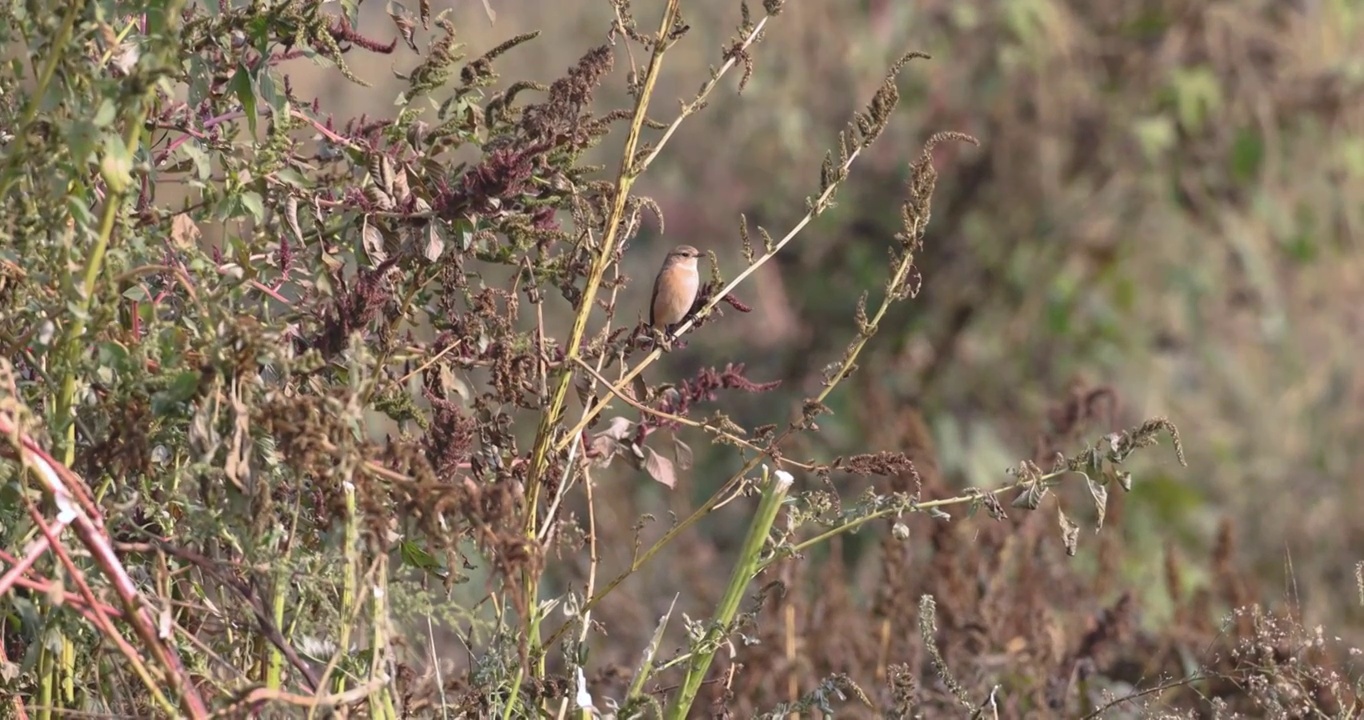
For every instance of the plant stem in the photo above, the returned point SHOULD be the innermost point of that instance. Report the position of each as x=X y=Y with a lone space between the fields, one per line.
x=625 y=179
x=71 y=345
x=553 y=412
x=747 y=568
x=55 y=53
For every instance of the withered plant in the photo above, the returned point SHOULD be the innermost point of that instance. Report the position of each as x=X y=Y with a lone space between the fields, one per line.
x=274 y=383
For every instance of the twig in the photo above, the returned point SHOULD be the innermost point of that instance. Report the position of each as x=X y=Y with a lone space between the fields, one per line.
x=1141 y=693
x=267 y=627
x=618 y=392
x=264 y=695
x=430 y=362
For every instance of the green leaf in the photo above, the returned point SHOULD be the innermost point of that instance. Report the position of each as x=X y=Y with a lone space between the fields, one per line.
x=251 y=200
x=199 y=75
x=113 y=355
x=1155 y=135
x=417 y=557
x=136 y=293
x=82 y=137
x=105 y=114
x=203 y=166
x=79 y=208
x=1198 y=95
x=293 y=177
x=181 y=388
x=116 y=167
x=269 y=92
x=1247 y=154
x=241 y=85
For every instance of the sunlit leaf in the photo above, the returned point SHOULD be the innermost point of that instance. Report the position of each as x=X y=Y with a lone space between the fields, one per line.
x=659 y=468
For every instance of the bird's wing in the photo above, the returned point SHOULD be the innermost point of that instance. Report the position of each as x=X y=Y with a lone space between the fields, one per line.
x=653 y=299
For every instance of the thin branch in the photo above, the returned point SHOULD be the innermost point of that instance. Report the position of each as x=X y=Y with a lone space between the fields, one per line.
x=686 y=421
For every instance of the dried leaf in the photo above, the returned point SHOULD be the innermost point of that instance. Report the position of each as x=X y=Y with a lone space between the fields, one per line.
x=435 y=244
x=451 y=383
x=606 y=444
x=401 y=191
x=1070 y=532
x=619 y=428
x=373 y=242
x=1031 y=497
x=994 y=507
x=582 y=387
x=639 y=389
x=659 y=468
x=1099 y=492
x=237 y=466
x=184 y=232
x=291 y=217
x=682 y=453
x=401 y=20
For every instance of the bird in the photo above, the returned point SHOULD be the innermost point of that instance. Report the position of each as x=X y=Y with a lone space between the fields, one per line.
x=675 y=287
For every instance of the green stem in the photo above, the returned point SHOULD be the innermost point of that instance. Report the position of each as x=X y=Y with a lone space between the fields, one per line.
x=625 y=179
x=47 y=680
x=71 y=345
x=747 y=568
x=515 y=690
x=55 y=54
x=553 y=412
x=274 y=659
x=381 y=702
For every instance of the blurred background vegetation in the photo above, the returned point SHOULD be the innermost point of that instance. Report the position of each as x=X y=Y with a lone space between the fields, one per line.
x=1167 y=201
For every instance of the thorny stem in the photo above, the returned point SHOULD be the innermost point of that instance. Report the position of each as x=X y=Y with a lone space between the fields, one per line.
x=594 y=559
x=66 y=490
x=98 y=616
x=896 y=280
x=701 y=96
x=627 y=177
x=350 y=590
x=639 y=561
x=134 y=116
x=93 y=264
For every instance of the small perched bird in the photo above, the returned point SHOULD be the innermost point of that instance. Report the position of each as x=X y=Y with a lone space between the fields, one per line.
x=675 y=287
